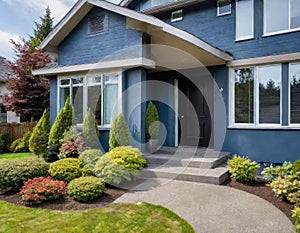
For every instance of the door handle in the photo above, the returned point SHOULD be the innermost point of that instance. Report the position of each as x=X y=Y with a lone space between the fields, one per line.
x=182 y=117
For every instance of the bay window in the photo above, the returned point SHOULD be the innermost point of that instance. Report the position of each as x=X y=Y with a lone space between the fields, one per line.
x=98 y=92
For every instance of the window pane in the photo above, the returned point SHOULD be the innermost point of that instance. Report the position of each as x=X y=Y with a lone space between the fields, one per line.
x=94 y=101
x=276 y=15
x=244 y=101
x=269 y=94
x=224 y=7
x=65 y=82
x=110 y=99
x=64 y=94
x=3 y=115
x=244 y=19
x=295 y=13
x=77 y=100
x=295 y=94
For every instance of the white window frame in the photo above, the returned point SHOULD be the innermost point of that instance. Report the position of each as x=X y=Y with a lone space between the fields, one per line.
x=85 y=91
x=176 y=19
x=246 y=37
x=265 y=34
x=289 y=98
x=231 y=104
x=218 y=9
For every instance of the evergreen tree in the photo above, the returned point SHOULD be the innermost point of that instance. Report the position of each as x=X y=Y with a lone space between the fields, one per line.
x=119 y=133
x=62 y=122
x=42 y=29
x=39 y=138
x=90 y=131
x=152 y=121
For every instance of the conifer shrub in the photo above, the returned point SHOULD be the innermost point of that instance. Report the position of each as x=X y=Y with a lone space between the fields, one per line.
x=90 y=158
x=21 y=144
x=152 y=121
x=62 y=122
x=38 y=141
x=90 y=132
x=119 y=133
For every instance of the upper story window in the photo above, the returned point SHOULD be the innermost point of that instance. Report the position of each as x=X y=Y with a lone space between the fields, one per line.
x=223 y=7
x=176 y=16
x=281 y=16
x=98 y=24
x=244 y=20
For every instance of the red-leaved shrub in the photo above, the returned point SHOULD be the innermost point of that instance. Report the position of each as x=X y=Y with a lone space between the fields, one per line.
x=41 y=189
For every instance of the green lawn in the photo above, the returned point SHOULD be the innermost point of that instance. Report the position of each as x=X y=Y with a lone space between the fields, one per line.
x=15 y=155
x=141 y=217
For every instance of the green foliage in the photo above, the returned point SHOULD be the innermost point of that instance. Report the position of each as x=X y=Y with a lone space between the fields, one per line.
x=68 y=150
x=38 y=142
x=271 y=172
x=287 y=187
x=66 y=169
x=242 y=169
x=296 y=167
x=14 y=172
x=4 y=140
x=90 y=131
x=119 y=133
x=152 y=121
x=62 y=122
x=296 y=217
x=21 y=144
x=85 y=189
x=121 y=163
x=70 y=134
x=41 y=189
x=90 y=158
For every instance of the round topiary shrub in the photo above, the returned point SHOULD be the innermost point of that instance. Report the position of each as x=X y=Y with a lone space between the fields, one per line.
x=14 y=172
x=66 y=169
x=86 y=189
x=121 y=163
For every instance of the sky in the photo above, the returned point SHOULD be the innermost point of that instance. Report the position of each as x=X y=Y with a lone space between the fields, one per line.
x=17 y=19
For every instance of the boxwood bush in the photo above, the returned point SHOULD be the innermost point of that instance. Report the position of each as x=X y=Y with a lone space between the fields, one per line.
x=242 y=169
x=66 y=169
x=14 y=172
x=85 y=189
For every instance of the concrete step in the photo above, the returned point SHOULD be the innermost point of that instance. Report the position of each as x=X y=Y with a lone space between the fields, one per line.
x=188 y=160
x=216 y=175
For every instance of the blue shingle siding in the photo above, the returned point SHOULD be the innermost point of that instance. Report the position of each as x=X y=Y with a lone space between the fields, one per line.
x=53 y=99
x=80 y=48
x=201 y=20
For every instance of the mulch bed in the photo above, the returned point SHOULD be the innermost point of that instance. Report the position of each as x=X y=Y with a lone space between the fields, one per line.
x=67 y=203
x=262 y=190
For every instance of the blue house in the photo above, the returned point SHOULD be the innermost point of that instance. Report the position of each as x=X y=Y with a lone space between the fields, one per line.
x=223 y=74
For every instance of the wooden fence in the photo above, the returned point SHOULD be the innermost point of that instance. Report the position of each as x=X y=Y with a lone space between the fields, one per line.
x=16 y=130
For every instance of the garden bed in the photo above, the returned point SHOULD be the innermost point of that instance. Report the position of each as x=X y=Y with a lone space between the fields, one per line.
x=265 y=192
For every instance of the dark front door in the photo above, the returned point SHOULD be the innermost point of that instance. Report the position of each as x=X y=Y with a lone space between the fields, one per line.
x=193 y=107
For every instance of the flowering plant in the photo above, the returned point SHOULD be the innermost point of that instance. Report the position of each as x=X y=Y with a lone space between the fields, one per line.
x=41 y=189
x=68 y=150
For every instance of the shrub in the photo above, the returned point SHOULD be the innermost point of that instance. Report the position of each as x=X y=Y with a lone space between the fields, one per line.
x=66 y=169
x=296 y=167
x=14 y=144
x=242 y=169
x=14 y=172
x=90 y=131
x=68 y=150
x=287 y=187
x=121 y=163
x=38 y=142
x=296 y=216
x=86 y=189
x=90 y=158
x=119 y=133
x=4 y=140
x=21 y=144
x=41 y=189
x=152 y=121
x=80 y=144
x=70 y=134
x=271 y=172
x=62 y=122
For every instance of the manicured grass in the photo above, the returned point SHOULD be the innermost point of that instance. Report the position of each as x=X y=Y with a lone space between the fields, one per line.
x=140 y=217
x=15 y=155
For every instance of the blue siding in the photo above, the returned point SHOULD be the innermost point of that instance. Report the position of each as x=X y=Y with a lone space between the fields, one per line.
x=80 y=48
x=201 y=21
x=53 y=99
x=104 y=138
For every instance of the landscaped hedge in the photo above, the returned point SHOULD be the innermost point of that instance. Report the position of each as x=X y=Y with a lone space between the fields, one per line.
x=14 y=172
x=86 y=189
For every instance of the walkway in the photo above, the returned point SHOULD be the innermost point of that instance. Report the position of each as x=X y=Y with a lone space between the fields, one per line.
x=212 y=208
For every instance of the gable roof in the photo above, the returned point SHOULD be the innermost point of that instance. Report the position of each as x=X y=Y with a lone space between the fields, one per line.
x=136 y=20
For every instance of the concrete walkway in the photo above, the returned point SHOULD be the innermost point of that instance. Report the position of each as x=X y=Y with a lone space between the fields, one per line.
x=212 y=208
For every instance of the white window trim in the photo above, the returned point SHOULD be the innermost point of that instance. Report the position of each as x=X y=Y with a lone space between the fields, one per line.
x=85 y=85
x=245 y=37
x=289 y=98
x=231 y=104
x=218 y=9
x=176 y=19
x=289 y=30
